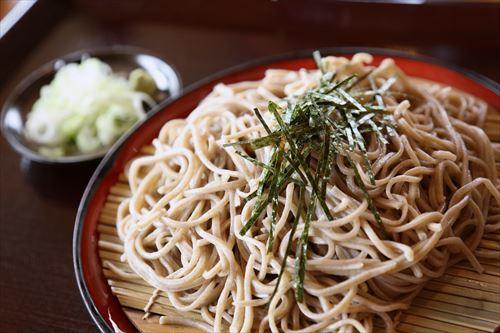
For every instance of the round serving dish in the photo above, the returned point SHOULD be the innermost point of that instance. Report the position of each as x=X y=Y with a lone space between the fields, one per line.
x=102 y=305
x=122 y=59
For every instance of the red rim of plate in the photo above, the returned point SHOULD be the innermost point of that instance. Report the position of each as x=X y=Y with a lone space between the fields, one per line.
x=96 y=293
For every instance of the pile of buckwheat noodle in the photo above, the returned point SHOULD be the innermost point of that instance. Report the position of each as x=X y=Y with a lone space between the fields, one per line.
x=435 y=182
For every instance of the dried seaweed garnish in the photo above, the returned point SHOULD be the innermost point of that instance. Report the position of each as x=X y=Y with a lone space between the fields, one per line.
x=326 y=121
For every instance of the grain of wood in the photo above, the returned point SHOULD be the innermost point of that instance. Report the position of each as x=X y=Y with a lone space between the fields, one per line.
x=489 y=244
x=106 y=230
x=470 y=283
x=428 y=322
x=455 y=271
x=150 y=325
x=488 y=268
x=456 y=310
x=120 y=190
x=460 y=301
x=110 y=246
x=436 y=314
x=134 y=304
x=462 y=291
x=408 y=328
x=110 y=239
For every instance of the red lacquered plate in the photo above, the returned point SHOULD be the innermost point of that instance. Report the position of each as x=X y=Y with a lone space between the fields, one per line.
x=96 y=294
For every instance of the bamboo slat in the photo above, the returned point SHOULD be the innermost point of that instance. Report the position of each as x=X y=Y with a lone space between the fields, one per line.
x=461 y=301
x=150 y=325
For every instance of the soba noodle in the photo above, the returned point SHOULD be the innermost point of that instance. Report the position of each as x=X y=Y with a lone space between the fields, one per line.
x=435 y=181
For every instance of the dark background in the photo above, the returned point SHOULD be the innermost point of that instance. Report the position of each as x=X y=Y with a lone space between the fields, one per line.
x=38 y=203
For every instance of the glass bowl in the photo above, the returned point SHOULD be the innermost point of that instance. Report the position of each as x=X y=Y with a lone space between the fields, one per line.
x=121 y=59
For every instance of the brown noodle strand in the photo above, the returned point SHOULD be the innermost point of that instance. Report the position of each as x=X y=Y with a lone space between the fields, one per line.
x=435 y=181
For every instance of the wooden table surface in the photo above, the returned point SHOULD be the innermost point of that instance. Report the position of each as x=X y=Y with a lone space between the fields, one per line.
x=38 y=203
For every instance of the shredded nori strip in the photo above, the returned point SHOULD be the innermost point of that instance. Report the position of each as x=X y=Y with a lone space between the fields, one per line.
x=326 y=121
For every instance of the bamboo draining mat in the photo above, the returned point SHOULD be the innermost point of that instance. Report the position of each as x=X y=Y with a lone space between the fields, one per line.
x=461 y=301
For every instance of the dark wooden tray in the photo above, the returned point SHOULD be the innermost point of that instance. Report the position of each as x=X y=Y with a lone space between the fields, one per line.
x=37 y=285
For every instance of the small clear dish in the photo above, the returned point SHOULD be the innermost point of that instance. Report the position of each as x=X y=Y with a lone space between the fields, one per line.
x=122 y=60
